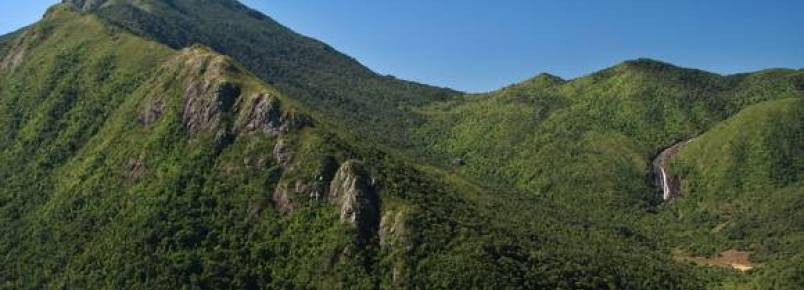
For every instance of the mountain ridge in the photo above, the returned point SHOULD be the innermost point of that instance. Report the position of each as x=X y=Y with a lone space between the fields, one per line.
x=128 y=163
x=317 y=74
x=177 y=162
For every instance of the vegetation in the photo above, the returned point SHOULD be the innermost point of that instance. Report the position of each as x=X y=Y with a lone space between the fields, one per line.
x=553 y=137
x=743 y=181
x=587 y=144
x=131 y=157
x=7 y=40
x=313 y=72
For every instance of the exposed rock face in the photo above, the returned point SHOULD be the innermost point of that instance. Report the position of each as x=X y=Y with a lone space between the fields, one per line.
x=207 y=92
x=205 y=104
x=309 y=186
x=152 y=112
x=267 y=116
x=392 y=229
x=208 y=96
x=352 y=191
x=282 y=200
x=217 y=100
x=662 y=179
x=213 y=100
x=394 y=241
x=282 y=153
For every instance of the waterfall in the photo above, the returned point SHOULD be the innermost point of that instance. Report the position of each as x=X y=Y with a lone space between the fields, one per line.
x=667 y=193
x=662 y=179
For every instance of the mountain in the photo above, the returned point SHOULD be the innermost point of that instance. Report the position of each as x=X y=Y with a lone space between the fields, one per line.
x=180 y=144
x=128 y=164
x=6 y=41
x=328 y=81
x=743 y=181
x=588 y=145
x=616 y=118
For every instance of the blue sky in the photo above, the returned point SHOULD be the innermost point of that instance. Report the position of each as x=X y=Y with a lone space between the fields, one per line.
x=481 y=45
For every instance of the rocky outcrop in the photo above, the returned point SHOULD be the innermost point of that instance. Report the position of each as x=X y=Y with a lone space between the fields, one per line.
x=282 y=153
x=312 y=186
x=349 y=187
x=206 y=103
x=395 y=243
x=393 y=230
x=281 y=199
x=218 y=98
x=351 y=190
x=662 y=179
x=152 y=112
x=208 y=93
x=266 y=116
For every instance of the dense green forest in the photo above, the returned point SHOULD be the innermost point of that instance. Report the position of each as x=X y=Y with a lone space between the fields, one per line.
x=587 y=144
x=313 y=72
x=743 y=182
x=187 y=144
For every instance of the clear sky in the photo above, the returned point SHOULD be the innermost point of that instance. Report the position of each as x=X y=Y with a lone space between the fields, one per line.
x=481 y=45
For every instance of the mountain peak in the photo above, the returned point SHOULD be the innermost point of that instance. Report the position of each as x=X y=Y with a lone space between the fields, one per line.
x=85 y=5
x=542 y=80
x=646 y=64
x=548 y=78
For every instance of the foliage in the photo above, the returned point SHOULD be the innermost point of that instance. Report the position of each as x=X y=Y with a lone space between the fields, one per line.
x=324 y=79
x=745 y=176
x=587 y=144
x=553 y=194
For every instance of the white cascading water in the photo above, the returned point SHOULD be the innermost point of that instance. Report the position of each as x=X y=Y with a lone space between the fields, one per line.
x=665 y=186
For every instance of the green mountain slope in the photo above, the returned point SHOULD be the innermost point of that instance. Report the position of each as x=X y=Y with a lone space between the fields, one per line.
x=588 y=143
x=313 y=72
x=132 y=156
x=7 y=40
x=742 y=182
x=126 y=164
x=591 y=138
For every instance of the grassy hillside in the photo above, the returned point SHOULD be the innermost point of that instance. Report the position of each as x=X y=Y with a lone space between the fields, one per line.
x=7 y=39
x=587 y=144
x=591 y=139
x=126 y=164
x=313 y=72
x=743 y=190
x=132 y=156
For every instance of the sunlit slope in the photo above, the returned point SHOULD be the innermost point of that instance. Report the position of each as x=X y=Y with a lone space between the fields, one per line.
x=587 y=144
x=322 y=78
x=742 y=186
x=591 y=139
x=126 y=164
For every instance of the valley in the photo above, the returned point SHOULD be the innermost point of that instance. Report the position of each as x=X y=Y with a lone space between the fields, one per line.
x=189 y=144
